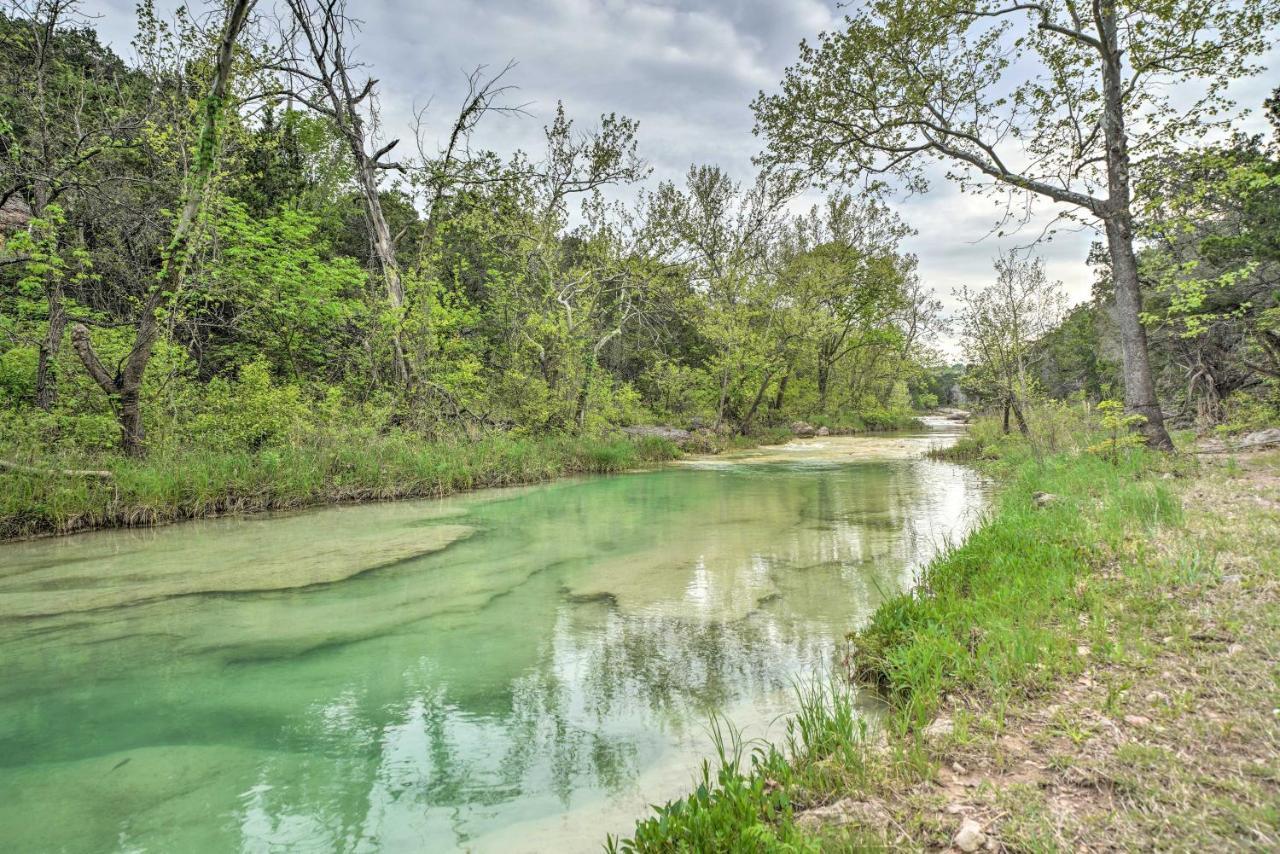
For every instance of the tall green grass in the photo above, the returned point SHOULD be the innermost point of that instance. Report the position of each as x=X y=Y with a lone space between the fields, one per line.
x=185 y=483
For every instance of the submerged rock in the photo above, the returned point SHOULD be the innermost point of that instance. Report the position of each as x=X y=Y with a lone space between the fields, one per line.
x=262 y=555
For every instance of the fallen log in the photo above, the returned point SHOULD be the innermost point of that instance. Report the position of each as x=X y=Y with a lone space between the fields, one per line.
x=19 y=467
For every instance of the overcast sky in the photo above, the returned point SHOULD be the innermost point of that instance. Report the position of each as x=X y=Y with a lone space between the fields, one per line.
x=687 y=70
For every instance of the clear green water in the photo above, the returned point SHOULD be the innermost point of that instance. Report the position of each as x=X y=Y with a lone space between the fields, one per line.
x=519 y=670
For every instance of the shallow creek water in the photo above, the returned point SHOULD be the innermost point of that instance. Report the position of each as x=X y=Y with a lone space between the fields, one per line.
x=512 y=670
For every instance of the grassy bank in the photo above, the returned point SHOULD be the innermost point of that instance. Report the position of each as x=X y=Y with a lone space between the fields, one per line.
x=1069 y=573
x=175 y=484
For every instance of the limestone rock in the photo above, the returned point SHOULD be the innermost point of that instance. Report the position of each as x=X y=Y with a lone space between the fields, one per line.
x=823 y=431
x=843 y=812
x=970 y=836
x=1255 y=441
x=1044 y=499
x=802 y=429
x=941 y=728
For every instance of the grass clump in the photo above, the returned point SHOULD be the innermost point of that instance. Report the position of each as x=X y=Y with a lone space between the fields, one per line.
x=747 y=799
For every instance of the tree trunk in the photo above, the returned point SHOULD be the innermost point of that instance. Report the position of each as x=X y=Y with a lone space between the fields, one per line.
x=782 y=391
x=584 y=392
x=724 y=395
x=1017 y=416
x=132 y=435
x=1005 y=425
x=383 y=246
x=744 y=426
x=824 y=379
x=1139 y=387
x=46 y=364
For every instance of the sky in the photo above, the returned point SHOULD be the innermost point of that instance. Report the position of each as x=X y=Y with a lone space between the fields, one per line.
x=687 y=70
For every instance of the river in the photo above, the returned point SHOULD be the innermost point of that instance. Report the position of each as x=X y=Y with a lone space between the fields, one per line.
x=511 y=670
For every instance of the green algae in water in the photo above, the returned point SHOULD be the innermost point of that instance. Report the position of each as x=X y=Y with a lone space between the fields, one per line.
x=514 y=670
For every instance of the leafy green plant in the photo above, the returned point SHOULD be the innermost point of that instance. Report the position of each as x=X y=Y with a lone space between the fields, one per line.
x=1119 y=428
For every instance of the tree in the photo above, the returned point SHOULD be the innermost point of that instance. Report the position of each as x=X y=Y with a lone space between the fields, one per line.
x=64 y=107
x=1043 y=99
x=1000 y=325
x=848 y=279
x=125 y=384
x=1212 y=265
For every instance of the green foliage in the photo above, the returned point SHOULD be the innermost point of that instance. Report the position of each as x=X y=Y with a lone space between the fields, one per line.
x=1244 y=413
x=250 y=412
x=295 y=303
x=1119 y=428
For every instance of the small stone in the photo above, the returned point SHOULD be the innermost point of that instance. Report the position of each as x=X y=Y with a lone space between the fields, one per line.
x=970 y=836
x=1232 y=580
x=958 y=768
x=1044 y=499
x=1137 y=720
x=941 y=728
x=1082 y=651
x=1157 y=697
x=955 y=809
x=1235 y=649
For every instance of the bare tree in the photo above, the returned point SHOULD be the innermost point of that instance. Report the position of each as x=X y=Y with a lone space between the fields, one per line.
x=321 y=72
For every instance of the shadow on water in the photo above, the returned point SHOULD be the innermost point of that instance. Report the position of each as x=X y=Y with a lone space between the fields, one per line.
x=502 y=671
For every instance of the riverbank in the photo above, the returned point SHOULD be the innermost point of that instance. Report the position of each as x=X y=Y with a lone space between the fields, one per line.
x=177 y=484
x=1092 y=668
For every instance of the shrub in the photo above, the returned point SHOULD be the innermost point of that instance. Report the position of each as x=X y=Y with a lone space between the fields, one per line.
x=249 y=412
